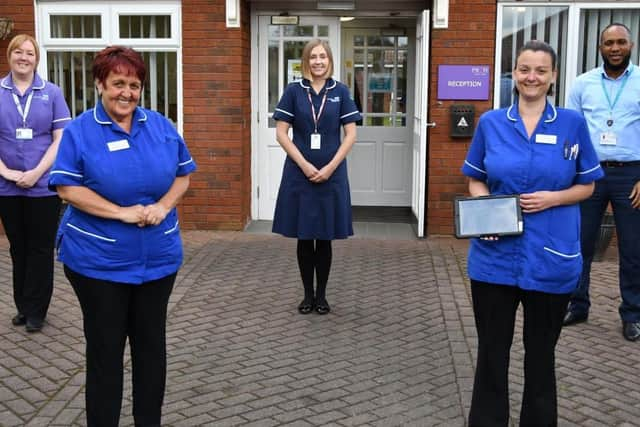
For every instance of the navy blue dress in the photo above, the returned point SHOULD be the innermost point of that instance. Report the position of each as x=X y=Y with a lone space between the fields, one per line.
x=303 y=209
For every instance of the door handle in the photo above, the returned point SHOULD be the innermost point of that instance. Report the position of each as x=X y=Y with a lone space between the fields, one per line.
x=430 y=124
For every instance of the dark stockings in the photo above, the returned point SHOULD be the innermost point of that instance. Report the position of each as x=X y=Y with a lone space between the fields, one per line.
x=314 y=256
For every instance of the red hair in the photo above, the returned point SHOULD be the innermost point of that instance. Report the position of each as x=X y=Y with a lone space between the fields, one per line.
x=118 y=59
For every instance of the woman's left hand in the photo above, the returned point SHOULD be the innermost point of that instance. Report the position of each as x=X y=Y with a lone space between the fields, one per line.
x=538 y=201
x=154 y=214
x=28 y=179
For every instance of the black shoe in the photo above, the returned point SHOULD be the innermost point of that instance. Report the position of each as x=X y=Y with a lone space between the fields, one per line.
x=573 y=318
x=322 y=307
x=631 y=330
x=19 y=319
x=34 y=325
x=306 y=306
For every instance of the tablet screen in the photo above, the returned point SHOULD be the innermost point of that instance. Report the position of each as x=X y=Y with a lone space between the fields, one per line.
x=488 y=216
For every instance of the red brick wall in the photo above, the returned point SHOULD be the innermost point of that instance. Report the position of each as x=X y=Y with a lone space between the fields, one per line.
x=22 y=13
x=217 y=109
x=217 y=115
x=469 y=40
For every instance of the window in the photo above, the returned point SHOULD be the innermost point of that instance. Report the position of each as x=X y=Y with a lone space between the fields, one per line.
x=572 y=29
x=69 y=41
x=521 y=24
x=380 y=79
x=592 y=22
x=286 y=43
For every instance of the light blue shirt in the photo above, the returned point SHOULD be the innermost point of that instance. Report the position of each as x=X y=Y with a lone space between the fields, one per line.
x=588 y=97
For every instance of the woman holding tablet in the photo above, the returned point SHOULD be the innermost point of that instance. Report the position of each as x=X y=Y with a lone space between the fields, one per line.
x=544 y=155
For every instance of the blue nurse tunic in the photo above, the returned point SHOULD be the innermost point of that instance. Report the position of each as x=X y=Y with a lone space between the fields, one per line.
x=303 y=209
x=128 y=169
x=559 y=154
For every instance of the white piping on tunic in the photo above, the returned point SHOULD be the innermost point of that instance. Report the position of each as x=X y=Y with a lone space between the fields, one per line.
x=549 y=120
x=61 y=172
x=285 y=112
x=350 y=114
x=95 y=116
x=172 y=229
x=576 y=255
x=473 y=167
x=588 y=170
x=106 y=239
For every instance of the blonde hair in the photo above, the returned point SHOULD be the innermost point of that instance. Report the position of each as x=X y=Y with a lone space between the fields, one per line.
x=306 y=57
x=17 y=41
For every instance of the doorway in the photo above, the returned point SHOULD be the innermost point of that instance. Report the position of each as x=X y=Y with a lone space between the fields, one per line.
x=376 y=59
x=379 y=63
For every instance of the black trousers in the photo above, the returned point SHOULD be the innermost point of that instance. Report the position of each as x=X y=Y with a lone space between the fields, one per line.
x=494 y=307
x=113 y=312
x=30 y=224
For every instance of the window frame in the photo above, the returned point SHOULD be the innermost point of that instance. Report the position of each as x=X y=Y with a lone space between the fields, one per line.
x=573 y=37
x=109 y=20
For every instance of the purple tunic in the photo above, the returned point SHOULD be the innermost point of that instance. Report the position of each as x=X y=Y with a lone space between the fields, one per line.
x=48 y=112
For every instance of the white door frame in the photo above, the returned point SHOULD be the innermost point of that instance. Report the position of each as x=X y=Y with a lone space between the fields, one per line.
x=264 y=147
x=420 y=122
x=419 y=118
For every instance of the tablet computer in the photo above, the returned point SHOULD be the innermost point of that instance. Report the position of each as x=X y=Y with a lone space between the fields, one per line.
x=488 y=216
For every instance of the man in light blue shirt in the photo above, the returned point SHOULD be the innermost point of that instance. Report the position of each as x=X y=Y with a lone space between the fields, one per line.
x=609 y=99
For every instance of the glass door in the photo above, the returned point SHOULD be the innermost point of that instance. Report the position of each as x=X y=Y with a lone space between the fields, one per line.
x=279 y=52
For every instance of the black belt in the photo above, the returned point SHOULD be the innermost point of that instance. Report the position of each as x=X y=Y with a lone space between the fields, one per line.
x=618 y=164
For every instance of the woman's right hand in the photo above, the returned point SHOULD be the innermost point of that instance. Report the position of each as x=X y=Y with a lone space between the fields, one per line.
x=309 y=170
x=132 y=215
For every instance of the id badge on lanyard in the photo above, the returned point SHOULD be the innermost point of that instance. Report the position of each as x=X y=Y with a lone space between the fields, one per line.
x=23 y=133
x=609 y=137
x=316 y=139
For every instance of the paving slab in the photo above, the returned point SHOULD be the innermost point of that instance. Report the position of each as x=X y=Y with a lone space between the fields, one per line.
x=397 y=349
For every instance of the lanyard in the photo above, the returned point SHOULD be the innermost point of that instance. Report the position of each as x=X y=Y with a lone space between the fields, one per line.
x=27 y=107
x=316 y=118
x=618 y=93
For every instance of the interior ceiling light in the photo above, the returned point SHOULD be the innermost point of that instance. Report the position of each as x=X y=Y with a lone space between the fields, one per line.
x=336 y=5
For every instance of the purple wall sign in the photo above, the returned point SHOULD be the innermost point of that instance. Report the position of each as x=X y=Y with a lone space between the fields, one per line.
x=463 y=82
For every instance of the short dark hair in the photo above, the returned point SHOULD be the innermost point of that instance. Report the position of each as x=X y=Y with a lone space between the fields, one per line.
x=118 y=59
x=615 y=24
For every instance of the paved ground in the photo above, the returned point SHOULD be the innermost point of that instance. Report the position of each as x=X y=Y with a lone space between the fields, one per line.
x=397 y=350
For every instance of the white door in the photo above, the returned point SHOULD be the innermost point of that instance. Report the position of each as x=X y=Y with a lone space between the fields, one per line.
x=376 y=69
x=420 y=122
x=279 y=52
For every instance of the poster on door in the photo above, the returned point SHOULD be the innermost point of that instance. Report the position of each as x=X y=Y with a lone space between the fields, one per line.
x=294 y=70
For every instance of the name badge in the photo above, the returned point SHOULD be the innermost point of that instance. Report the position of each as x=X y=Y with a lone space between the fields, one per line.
x=121 y=144
x=24 y=133
x=608 y=138
x=315 y=141
x=545 y=139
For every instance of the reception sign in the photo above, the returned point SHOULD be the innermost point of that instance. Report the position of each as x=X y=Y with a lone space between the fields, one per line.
x=463 y=82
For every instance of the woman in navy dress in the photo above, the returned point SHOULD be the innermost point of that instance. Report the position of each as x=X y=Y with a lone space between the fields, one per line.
x=314 y=202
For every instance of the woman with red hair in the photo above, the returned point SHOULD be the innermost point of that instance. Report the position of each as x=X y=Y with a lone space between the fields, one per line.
x=122 y=169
